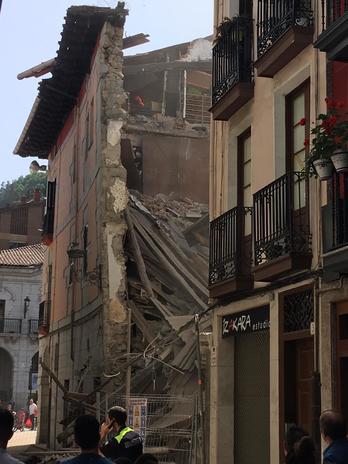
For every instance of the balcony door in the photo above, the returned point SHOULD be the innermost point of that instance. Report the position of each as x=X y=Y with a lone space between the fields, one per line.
x=244 y=193
x=297 y=130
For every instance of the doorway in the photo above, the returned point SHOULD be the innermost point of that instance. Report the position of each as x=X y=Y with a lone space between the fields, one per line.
x=298 y=374
x=342 y=357
x=6 y=375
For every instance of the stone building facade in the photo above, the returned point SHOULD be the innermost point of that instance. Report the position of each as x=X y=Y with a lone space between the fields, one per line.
x=92 y=144
x=20 y=297
x=277 y=239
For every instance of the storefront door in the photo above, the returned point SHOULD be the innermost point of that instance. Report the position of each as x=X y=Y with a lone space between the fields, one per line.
x=342 y=357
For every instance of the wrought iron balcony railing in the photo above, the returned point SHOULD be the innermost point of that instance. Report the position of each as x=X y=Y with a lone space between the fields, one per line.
x=276 y=17
x=33 y=326
x=281 y=223
x=232 y=57
x=334 y=10
x=10 y=326
x=339 y=210
x=225 y=252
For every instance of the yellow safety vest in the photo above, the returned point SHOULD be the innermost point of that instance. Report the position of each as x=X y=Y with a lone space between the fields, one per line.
x=121 y=434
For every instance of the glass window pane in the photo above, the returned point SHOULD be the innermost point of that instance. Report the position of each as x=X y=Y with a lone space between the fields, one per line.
x=247 y=174
x=299 y=161
x=247 y=149
x=248 y=198
x=298 y=138
x=298 y=108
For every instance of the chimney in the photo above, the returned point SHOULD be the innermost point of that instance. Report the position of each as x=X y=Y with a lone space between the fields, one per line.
x=37 y=196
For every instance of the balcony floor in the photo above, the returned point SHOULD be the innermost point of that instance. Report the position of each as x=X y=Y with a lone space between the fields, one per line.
x=283 y=51
x=232 y=101
x=279 y=267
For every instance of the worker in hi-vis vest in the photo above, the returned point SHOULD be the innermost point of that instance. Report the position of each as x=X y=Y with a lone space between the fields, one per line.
x=118 y=440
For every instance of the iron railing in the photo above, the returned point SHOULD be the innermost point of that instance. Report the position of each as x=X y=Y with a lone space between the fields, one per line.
x=332 y=10
x=9 y=326
x=340 y=210
x=225 y=252
x=33 y=326
x=281 y=223
x=276 y=17
x=232 y=57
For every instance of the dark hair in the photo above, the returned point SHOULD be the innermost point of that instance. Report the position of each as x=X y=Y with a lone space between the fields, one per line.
x=123 y=461
x=6 y=424
x=293 y=435
x=333 y=425
x=118 y=414
x=146 y=459
x=86 y=431
x=304 y=450
x=299 y=446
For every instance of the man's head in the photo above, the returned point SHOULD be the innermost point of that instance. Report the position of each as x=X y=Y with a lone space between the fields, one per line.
x=332 y=426
x=86 y=431
x=6 y=427
x=31 y=401
x=118 y=416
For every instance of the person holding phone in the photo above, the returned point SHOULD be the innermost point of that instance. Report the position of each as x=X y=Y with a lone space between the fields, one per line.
x=118 y=440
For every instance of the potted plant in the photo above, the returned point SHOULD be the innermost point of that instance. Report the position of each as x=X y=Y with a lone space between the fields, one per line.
x=329 y=143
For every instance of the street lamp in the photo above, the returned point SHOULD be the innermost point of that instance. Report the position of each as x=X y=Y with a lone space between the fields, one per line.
x=26 y=305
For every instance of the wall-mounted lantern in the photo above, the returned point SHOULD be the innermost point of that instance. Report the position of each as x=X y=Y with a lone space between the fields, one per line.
x=26 y=305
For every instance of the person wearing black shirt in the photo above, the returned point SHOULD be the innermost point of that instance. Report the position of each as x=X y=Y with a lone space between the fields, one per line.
x=118 y=440
x=87 y=437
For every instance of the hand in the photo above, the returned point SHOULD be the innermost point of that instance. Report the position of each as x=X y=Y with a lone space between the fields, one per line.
x=104 y=430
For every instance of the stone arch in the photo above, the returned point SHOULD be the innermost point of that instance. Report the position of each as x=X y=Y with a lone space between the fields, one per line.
x=6 y=375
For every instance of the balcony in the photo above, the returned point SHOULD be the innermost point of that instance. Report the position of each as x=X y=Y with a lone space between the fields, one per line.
x=282 y=241
x=10 y=326
x=33 y=326
x=284 y=29
x=334 y=38
x=335 y=227
x=233 y=85
x=230 y=253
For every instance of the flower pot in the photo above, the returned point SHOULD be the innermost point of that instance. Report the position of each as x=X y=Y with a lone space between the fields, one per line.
x=323 y=168
x=340 y=160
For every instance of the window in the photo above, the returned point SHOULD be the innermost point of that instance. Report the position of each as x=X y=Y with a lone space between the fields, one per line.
x=90 y=127
x=245 y=196
x=48 y=226
x=297 y=110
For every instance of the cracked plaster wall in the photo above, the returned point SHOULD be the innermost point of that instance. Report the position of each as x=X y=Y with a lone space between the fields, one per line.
x=114 y=195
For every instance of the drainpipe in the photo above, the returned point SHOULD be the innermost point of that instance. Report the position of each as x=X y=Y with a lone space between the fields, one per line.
x=200 y=391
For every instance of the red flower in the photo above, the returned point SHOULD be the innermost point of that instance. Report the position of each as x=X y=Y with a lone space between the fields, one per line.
x=306 y=142
x=302 y=122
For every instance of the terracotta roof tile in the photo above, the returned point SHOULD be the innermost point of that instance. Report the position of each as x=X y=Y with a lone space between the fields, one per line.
x=31 y=255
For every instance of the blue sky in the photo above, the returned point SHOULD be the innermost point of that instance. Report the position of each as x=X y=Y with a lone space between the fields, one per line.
x=29 y=34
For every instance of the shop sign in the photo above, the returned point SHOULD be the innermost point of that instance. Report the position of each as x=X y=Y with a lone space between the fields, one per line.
x=254 y=320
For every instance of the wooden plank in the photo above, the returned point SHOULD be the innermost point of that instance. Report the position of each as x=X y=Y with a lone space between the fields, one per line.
x=170 y=268
x=141 y=322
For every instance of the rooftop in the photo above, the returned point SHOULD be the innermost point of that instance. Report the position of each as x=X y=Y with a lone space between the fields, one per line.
x=58 y=94
x=31 y=255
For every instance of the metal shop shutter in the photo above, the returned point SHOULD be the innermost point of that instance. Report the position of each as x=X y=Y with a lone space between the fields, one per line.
x=252 y=402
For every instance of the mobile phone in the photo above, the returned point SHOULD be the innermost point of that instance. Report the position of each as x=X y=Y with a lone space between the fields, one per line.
x=111 y=424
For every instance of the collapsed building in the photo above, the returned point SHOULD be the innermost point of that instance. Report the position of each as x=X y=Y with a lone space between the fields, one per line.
x=126 y=228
